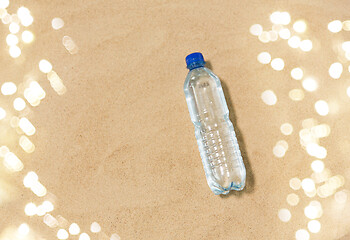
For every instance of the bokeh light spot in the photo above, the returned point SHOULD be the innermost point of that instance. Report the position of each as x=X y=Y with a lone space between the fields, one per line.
x=321 y=107
x=57 y=23
x=294 y=42
x=284 y=215
x=335 y=26
x=27 y=36
x=8 y=88
x=297 y=73
x=277 y=64
x=335 y=70
x=302 y=234
x=292 y=199
x=300 y=26
x=269 y=97
x=310 y=84
x=264 y=57
x=317 y=166
x=314 y=226
x=306 y=45
x=286 y=129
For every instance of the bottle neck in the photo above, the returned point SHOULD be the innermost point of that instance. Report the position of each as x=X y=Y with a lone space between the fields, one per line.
x=195 y=65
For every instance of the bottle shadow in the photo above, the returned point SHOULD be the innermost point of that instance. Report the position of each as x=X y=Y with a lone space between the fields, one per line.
x=250 y=180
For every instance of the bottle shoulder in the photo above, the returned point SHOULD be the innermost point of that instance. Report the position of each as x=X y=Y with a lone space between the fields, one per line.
x=201 y=74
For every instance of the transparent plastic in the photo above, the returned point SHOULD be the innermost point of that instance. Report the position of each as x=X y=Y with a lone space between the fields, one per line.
x=216 y=138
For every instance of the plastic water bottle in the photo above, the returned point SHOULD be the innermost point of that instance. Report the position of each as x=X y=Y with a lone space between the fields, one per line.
x=216 y=138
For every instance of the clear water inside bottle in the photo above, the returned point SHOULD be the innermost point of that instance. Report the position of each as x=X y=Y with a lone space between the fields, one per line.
x=214 y=131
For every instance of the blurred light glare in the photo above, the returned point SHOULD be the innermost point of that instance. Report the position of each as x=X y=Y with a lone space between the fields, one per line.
x=308 y=184
x=314 y=226
x=294 y=42
x=309 y=123
x=264 y=37
x=284 y=33
x=14 y=27
x=310 y=84
x=27 y=36
x=15 y=51
x=335 y=70
x=50 y=221
x=292 y=199
x=19 y=104
x=299 y=26
x=6 y=19
x=264 y=58
x=23 y=229
x=38 y=189
x=346 y=25
x=11 y=39
x=275 y=17
x=284 y=215
x=302 y=234
x=295 y=183
x=285 y=18
x=277 y=27
x=95 y=227
x=317 y=166
x=296 y=94
x=45 y=66
x=31 y=97
x=8 y=88
x=311 y=194
x=269 y=97
x=320 y=131
x=37 y=90
x=310 y=212
x=335 y=26
x=3 y=12
x=22 y=11
x=57 y=23
x=2 y=113
x=56 y=83
x=3 y=151
x=115 y=237
x=341 y=197
x=48 y=206
x=255 y=29
x=313 y=149
x=297 y=73
x=40 y=211
x=30 y=209
x=62 y=234
x=84 y=236
x=74 y=229
x=321 y=107
x=14 y=122
x=306 y=45
x=4 y=3
x=286 y=129
x=12 y=162
x=26 y=144
x=27 y=20
x=280 y=18
x=279 y=151
x=346 y=46
x=72 y=48
x=26 y=126
x=30 y=179
x=277 y=64
x=273 y=36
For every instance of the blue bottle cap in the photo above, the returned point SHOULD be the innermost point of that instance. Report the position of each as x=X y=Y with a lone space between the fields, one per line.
x=195 y=60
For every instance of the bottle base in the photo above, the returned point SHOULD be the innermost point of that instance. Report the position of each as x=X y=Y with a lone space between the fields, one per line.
x=218 y=190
